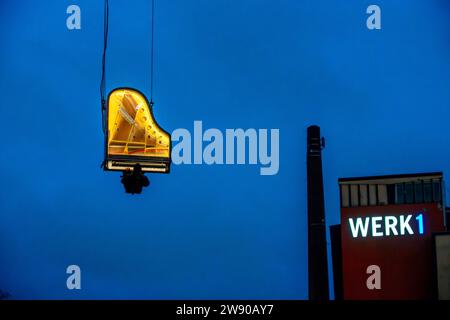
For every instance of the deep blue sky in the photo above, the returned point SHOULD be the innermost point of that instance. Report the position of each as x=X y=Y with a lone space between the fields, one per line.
x=381 y=98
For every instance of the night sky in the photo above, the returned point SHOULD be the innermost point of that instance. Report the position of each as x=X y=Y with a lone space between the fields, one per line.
x=205 y=232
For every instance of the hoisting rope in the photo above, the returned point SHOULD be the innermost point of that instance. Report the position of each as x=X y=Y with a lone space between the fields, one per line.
x=105 y=45
x=151 y=55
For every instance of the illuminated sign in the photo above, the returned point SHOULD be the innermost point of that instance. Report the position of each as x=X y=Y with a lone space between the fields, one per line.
x=389 y=225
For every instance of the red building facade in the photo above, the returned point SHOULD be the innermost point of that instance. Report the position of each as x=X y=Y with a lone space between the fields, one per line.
x=387 y=223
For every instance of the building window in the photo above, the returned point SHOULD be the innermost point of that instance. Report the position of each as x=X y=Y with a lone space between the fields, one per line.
x=399 y=194
x=354 y=195
x=409 y=192
x=345 y=197
x=363 y=196
x=418 y=192
x=437 y=194
x=373 y=195
x=427 y=192
x=391 y=193
x=382 y=194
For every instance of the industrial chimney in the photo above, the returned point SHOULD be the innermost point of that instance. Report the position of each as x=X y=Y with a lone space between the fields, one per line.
x=317 y=243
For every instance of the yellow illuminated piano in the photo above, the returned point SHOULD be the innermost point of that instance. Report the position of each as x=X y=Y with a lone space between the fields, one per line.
x=133 y=136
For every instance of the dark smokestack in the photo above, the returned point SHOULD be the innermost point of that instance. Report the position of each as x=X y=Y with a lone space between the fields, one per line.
x=317 y=243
